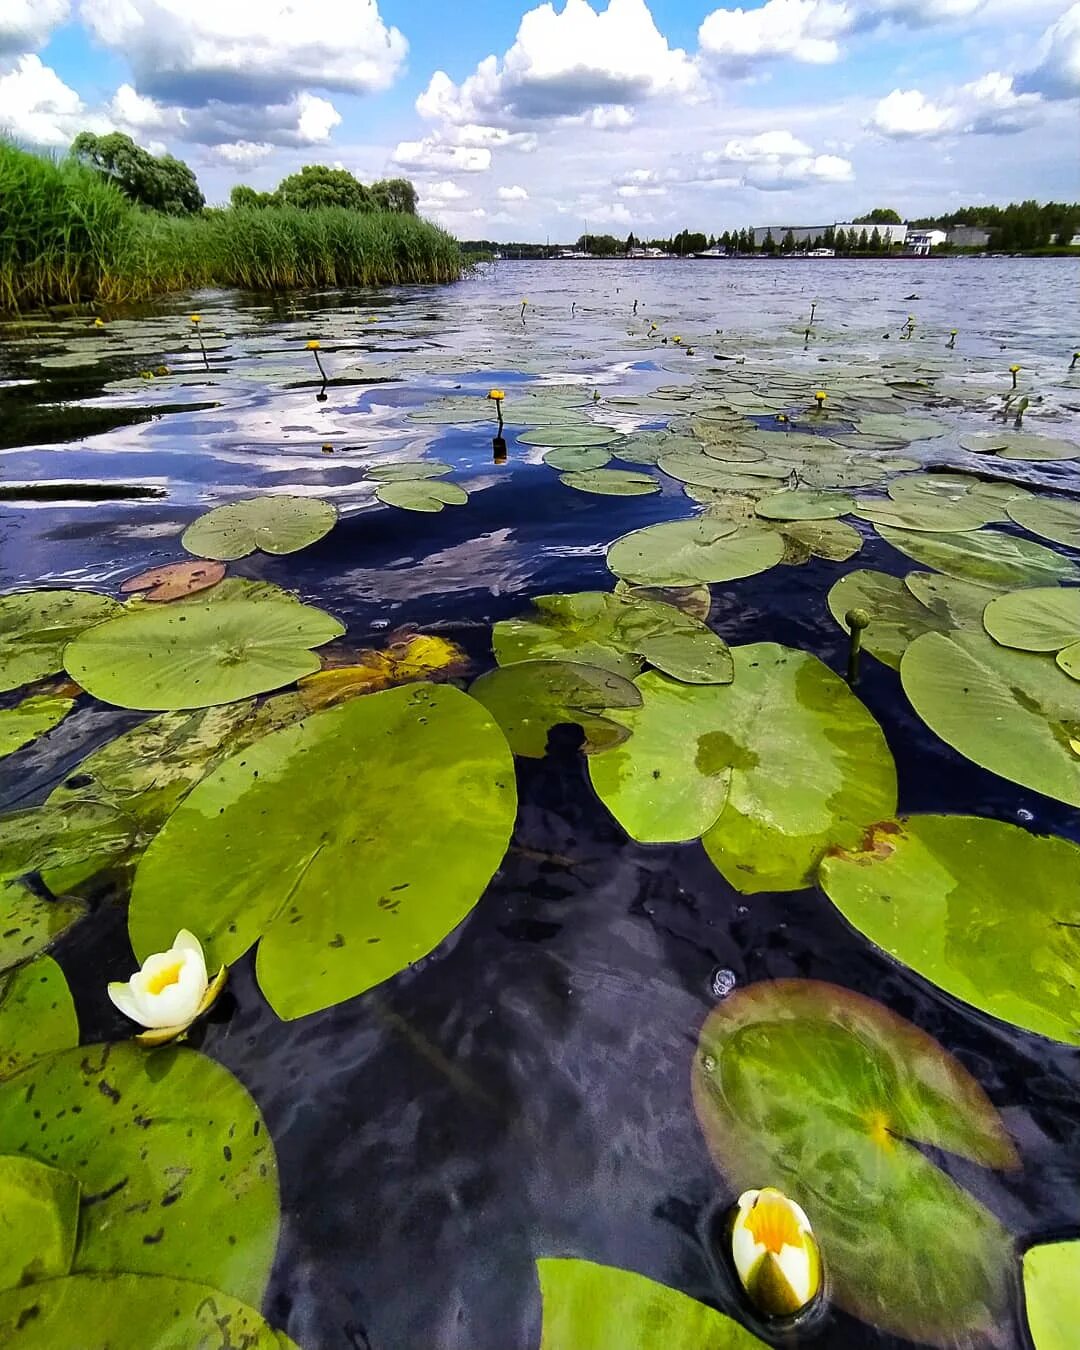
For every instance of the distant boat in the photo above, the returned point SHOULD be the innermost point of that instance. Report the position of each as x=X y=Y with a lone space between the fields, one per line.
x=822 y=253
x=715 y=252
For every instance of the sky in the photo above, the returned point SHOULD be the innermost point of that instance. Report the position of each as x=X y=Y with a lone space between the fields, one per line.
x=543 y=122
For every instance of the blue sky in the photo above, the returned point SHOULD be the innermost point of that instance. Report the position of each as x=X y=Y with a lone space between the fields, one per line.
x=524 y=121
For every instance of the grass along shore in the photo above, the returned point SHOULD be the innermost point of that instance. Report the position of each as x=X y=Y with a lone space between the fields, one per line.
x=67 y=236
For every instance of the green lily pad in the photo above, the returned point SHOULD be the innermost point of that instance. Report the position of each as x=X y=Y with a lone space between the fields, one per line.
x=896 y=616
x=577 y=458
x=810 y=769
x=612 y=482
x=1051 y=1280
x=277 y=524
x=39 y=1214
x=833 y=540
x=646 y=447
x=31 y=718
x=984 y=442
x=925 y=513
x=731 y=452
x=36 y=626
x=1051 y=518
x=257 y=852
x=194 y=655
x=1040 y=619
x=985 y=556
x=939 y=893
x=463 y=408
x=957 y=603
x=896 y=427
x=30 y=923
x=176 y=1165
x=408 y=470
x=1024 y=445
x=827 y=1095
x=44 y=837
x=584 y=433
x=854 y=475
x=37 y=1016
x=421 y=494
x=528 y=698
x=1014 y=713
x=593 y=1307
x=618 y=634
x=131 y=1312
x=798 y=504
x=693 y=600
x=689 y=552
x=705 y=471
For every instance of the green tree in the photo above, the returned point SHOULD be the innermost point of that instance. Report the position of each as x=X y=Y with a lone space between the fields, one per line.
x=158 y=182
x=769 y=243
x=875 y=240
x=787 y=245
x=880 y=215
x=840 y=241
x=828 y=239
x=725 y=240
x=394 y=194
x=318 y=185
x=243 y=197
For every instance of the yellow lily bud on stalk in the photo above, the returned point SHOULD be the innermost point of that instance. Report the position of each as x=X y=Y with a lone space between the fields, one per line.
x=169 y=991
x=196 y=318
x=775 y=1253
x=497 y=395
x=313 y=345
x=99 y=323
x=820 y=397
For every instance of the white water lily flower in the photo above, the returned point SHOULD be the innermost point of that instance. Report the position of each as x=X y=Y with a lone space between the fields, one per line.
x=170 y=991
x=775 y=1252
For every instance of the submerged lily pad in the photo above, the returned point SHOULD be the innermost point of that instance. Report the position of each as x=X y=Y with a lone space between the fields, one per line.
x=276 y=524
x=528 y=698
x=577 y=458
x=693 y=600
x=171 y=1148
x=1051 y=1282
x=1014 y=713
x=31 y=718
x=593 y=1307
x=306 y=842
x=984 y=910
x=198 y=654
x=827 y=1094
x=36 y=626
x=131 y=1312
x=985 y=556
x=1051 y=518
x=612 y=482
x=688 y=552
x=616 y=633
x=39 y=1213
x=421 y=494
x=798 y=504
x=37 y=1016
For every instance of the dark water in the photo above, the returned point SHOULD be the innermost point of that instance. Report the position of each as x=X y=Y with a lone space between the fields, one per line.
x=524 y=1091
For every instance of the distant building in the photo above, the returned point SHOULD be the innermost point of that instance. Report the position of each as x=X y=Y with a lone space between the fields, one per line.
x=888 y=234
x=967 y=236
x=803 y=234
x=922 y=242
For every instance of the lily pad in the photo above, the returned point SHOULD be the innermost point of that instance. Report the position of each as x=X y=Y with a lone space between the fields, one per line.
x=463 y=408
x=528 y=698
x=985 y=556
x=31 y=718
x=593 y=1307
x=939 y=893
x=1051 y=1279
x=260 y=850
x=186 y=1183
x=833 y=540
x=584 y=433
x=1024 y=445
x=175 y=580
x=44 y=837
x=37 y=1016
x=619 y=634
x=39 y=1214
x=1014 y=713
x=896 y=427
x=412 y=657
x=925 y=513
x=29 y=923
x=277 y=524
x=199 y=654
x=612 y=482
x=705 y=471
x=957 y=603
x=798 y=504
x=36 y=626
x=408 y=470
x=1040 y=619
x=131 y=1312
x=827 y=1094
x=577 y=458
x=689 y=552
x=693 y=600
x=646 y=447
x=1051 y=518
x=896 y=616
x=421 y=494
x=853 y=475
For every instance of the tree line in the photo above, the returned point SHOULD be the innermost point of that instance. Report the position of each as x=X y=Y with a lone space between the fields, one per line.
x=166 y=184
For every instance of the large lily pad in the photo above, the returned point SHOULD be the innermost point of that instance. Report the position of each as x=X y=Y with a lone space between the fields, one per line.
x=528 y=698
x=1014 y=713
x=985 y=556
x=706 y=471
x=37 y=1016
x=799 y=504
x=29 y=923
x=408 y=470
x=39 y=1214
x=687 y=552
x=304 y=844
x=583 y=433
x=1025 y=445
x=176 y=1165
x=1051 y=1284
x=896 y=616
x=593 y=1307
x=421 y=494
x=131 y=1312
x=1039 y=619
x=36 y=626
x=833 y=540
x=939 y=893
x=927 y=512
x=810 y=768
x=612 y=482
x=198 y=654
x=31 y=718
x=827 y=1095
x=577 y=458
x=1053 y=518
x=277 y=524
x=619 y=634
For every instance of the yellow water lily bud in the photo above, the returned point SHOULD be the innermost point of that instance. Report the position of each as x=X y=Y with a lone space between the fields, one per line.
x=775 y=1253
x=1014 y=369
x=313 y=345
x=676 y=339
x=161 y=370
x=99 y=323
x=196 y=318
x=497 y=395
x=170 y=990
x=820 y=397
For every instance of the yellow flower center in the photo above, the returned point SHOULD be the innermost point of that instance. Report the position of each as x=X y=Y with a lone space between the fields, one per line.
x=166 y=976
x=878 y=1127
x=772 y=1224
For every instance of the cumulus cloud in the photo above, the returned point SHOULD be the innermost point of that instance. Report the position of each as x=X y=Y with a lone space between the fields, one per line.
x=305 y=119
x=512 y=194
x=769 y=161
x=1056 y=74
x=434 y=155
x=242 y=155
x=446 y=191
x=39 y=109
x=26 y=24
x=989 y=105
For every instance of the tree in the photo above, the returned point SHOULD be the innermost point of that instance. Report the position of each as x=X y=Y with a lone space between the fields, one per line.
x=864 y=242
x=880 y=215
x=318 y=185
x=631 y=242
x=160 y=183
x=243 y=197
x=875 y=240
x=828 y=239
x=769 y=243
x=840 y=241
x=725 y=240
x=394 y=194
x=788 y=243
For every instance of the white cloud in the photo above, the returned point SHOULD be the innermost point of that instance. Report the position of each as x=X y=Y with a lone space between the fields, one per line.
x=243 y=155
x=305 y=119
x=512 y=194
x=433 y=155
x=989 y=105
x=26 y=24
x=38 y=108
x=908 y=112
x=446 y=191
x=771 y=160
x=195 y=52
x=1056 y=74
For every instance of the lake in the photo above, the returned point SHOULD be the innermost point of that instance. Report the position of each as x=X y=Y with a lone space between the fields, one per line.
x=524 y=1090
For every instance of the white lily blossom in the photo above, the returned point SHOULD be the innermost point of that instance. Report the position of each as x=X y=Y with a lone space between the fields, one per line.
x=170 y=990
x=775 y=1252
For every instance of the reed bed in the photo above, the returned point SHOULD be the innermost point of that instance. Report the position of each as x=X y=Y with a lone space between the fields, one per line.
x=68 y=236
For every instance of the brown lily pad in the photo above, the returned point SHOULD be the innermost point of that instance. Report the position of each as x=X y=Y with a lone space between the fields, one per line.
x=175 y=580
